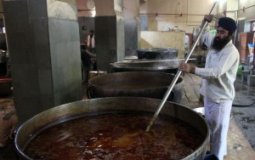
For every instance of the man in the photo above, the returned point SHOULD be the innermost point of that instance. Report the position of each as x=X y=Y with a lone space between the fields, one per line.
x=217 y=87
x=86 y=56
x=91 y=47
x=91 y=40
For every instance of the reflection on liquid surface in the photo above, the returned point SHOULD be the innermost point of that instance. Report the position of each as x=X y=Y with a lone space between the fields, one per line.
x=115 y=137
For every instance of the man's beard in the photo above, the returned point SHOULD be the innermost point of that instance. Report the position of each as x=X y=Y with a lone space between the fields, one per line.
x=218 y=43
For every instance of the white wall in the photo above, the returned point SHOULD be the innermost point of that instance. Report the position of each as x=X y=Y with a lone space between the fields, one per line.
x=165 y=14
x=102 y=8
x=248 y=13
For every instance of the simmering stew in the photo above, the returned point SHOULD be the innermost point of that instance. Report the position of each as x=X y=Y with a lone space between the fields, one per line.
x=115 y=137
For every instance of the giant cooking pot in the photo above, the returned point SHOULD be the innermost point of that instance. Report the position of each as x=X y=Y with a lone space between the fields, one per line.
x=135 y=84
x=169 y=66
x=64 y=113
x=157 y=53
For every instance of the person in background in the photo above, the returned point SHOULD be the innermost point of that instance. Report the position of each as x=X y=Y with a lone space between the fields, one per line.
x=186 y=43
x=207 y=38
x=86 y=56
x=91 y=40
x=92 y=47
x=217 y=88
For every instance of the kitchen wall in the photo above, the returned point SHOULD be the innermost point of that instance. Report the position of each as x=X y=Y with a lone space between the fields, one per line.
x=85 y=8
x=246 y=9
x=165 y=15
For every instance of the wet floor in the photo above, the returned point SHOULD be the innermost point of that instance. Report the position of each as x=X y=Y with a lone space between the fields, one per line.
x=244 y=110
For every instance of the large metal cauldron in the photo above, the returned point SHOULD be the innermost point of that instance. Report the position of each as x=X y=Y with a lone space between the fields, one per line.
x=169 y=66
x=157 y=53
x=63 y=113
x=135 y=84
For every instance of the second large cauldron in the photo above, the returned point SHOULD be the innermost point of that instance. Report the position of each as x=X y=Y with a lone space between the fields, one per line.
x=168 y=66
x=135 y=84
x=157 y=53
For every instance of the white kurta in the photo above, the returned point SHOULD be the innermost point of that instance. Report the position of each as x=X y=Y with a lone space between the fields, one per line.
x=218 y=90
x=219 y=73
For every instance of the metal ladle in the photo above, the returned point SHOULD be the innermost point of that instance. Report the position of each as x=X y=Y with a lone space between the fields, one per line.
x=170 y=88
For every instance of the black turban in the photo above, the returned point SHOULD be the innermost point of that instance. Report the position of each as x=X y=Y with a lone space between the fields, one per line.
x=227 y=23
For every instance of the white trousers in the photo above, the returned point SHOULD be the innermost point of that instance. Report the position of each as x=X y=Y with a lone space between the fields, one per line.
x=218 y=116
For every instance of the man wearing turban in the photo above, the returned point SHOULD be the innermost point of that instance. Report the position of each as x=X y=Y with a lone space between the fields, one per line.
x=217 y=87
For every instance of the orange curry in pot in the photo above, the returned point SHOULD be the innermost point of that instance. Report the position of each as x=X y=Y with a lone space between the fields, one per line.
x=115 y=136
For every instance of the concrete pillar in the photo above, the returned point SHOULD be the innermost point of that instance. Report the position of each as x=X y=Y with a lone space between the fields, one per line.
x=109 y=32
x=43 y=38
x=131 y=19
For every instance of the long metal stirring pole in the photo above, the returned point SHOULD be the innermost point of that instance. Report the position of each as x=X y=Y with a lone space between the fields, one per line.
x=170 y=88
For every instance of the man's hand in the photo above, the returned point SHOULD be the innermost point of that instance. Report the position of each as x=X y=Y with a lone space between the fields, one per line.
x=187 y=67
x=208 y=18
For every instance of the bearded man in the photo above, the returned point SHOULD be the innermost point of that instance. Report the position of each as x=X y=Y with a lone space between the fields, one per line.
x=217 y=87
